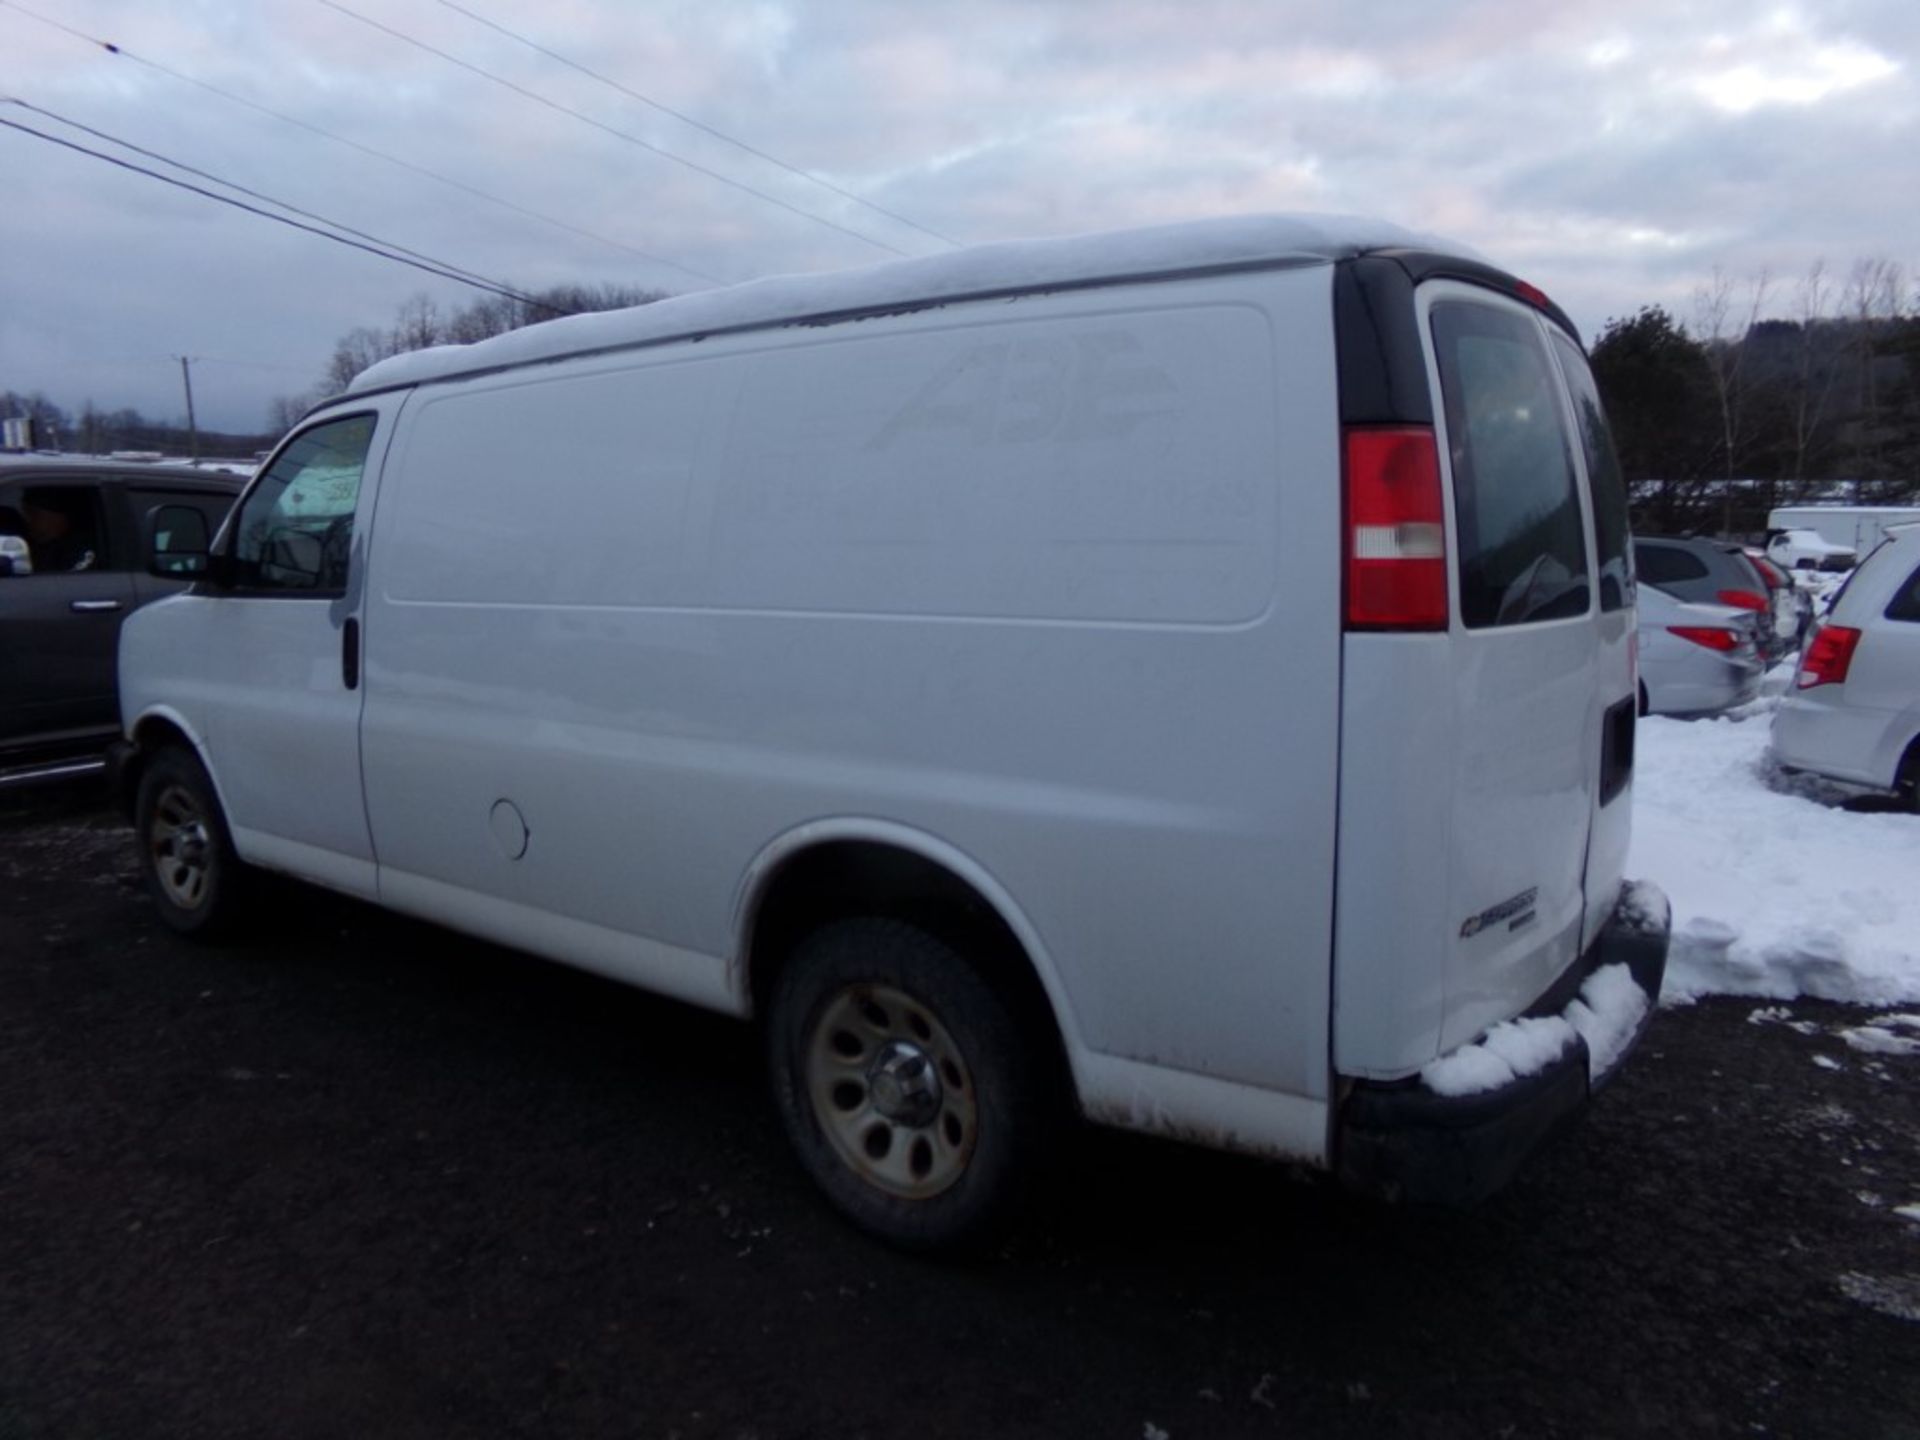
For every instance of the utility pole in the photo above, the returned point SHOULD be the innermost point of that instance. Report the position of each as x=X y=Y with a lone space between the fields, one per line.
x=193 y=431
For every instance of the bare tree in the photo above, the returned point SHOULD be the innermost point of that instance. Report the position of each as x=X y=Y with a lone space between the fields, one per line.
x=417 y=326
x=1723 y=329
x=1872 y=303
x=354 y=352
x=420 y=323
x=284 y=411
x=1814 y=372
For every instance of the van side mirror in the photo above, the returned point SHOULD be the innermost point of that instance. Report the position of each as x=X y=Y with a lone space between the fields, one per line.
x=180 y=543
x=16 y=558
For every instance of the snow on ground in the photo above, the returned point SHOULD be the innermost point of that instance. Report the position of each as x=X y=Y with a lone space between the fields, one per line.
x=1777 y=890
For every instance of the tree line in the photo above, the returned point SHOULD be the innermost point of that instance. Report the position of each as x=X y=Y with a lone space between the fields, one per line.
x=1766 y=395
x=420 y=323
x=92 y=431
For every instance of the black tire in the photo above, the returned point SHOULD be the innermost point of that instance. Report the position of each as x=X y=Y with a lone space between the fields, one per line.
x=1643 y=710
x=1906 y=785
x=983 y=1108
x=186 y=852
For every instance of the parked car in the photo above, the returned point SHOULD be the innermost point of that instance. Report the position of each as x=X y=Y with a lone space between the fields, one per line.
x=74 y=536
x=1793 y=603
x=913 y=660
x=1714 y=572
x=1854 y=711
x=1695 y=659
x=1809 y=550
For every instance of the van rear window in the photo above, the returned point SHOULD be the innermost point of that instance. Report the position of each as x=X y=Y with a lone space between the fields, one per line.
x=1604 y=482
x=1523 y=550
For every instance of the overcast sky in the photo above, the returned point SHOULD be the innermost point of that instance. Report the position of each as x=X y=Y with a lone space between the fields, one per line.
x=1612 y=153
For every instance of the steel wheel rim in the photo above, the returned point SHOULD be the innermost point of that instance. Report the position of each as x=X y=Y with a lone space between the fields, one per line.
x=180 y=847
x=892 y=1091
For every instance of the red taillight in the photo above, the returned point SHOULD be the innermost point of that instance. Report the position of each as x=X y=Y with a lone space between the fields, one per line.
x=1743 y=599
x=1711 y=636
x=1396 y=541
x=1829 y=653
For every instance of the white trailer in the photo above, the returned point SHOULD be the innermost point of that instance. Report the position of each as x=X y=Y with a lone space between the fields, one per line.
x=1858 y=527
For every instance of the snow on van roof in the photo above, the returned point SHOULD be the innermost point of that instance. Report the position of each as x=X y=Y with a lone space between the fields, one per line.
x=980 y=269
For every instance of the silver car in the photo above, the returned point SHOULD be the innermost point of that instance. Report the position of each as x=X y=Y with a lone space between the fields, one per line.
x=1695 y=659
x=1854 y=711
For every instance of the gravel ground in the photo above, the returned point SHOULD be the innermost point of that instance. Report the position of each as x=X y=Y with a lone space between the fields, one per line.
x=365 y=1178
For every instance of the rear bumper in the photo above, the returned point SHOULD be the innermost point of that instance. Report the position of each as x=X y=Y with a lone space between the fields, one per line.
x=1703 y=688
x=1404 y=1140
x=1820 y=733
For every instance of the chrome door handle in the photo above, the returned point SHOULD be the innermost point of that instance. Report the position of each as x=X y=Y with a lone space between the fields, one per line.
x=94 y=607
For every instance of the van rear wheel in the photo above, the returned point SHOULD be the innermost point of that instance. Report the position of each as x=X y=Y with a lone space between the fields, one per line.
x=913 y=1093
x=186 y=852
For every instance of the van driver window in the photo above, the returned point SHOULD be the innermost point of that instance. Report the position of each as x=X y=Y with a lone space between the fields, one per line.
x=295 y=530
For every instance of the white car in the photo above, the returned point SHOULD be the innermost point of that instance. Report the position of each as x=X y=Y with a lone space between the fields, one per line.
x=1695 y=659
x=1854 y=711
x=1810 y=550
x=915 y=661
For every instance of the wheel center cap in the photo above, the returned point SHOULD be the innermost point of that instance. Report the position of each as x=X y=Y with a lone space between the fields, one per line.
x=904 y=1084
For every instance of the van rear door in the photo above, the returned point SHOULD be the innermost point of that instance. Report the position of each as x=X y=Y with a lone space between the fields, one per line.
x=1528 y=648
x=1612 y=827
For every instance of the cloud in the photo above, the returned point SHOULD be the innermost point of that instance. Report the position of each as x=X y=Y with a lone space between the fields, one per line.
x=1614 y=152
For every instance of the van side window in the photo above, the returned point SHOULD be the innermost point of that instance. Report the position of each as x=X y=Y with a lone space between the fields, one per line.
x=1523 y=549
x=1604 y=483
x=295 y=528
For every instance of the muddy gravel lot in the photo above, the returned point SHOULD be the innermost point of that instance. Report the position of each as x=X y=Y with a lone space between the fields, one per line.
x=361 y=1177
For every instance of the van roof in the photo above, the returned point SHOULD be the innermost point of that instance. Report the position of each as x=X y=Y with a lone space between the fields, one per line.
x=977 y=272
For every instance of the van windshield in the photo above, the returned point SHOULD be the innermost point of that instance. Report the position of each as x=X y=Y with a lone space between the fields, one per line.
x=1523 y=549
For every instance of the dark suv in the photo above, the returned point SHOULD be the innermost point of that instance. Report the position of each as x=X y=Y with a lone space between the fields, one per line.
x=74 y=536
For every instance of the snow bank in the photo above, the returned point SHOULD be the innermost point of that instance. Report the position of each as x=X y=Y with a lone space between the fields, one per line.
x=1776 y=890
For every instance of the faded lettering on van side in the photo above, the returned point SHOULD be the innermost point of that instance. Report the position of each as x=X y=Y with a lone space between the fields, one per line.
x=1087 y=386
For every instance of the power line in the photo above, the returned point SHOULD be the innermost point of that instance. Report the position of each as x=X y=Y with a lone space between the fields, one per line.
x=617 y=133
x=121 y=52
x=699 y=125
x=243 y=190
x=434 y=268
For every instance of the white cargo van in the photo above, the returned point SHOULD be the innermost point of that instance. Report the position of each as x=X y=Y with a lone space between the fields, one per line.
x=1181 y=678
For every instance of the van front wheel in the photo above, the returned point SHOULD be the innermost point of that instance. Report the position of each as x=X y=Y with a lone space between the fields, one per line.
x=186 y=854
x=914 y=1095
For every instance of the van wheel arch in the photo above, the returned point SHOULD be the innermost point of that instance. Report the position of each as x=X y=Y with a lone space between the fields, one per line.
x=152 y=735
x=845 y=879
x=847 y=921
x=200 y=887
